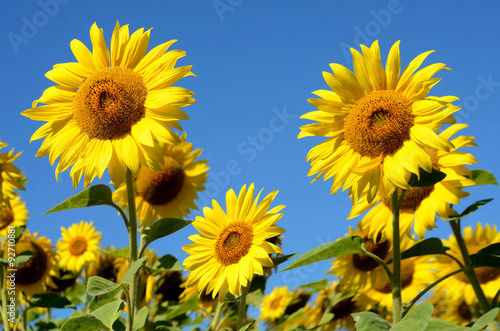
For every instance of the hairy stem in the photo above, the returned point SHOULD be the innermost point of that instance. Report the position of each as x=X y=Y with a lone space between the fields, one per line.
x=397 y=306
x=132 y=232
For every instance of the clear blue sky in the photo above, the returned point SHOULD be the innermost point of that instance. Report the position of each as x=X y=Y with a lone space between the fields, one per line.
x=257 y=63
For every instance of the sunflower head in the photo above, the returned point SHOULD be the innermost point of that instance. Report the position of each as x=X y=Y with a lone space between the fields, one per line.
x=11 y=178
x=106 y=266
x=110 y=109
x=232 y=246
x=14 y=214
x=274 y=305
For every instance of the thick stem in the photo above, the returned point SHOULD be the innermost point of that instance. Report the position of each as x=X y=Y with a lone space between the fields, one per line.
x=132 y=232
x=242 y=305
x=3 y=279
x=397 y=305
x=215 y=320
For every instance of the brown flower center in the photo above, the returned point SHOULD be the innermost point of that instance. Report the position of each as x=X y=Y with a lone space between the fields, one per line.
x=31 y=271
x=484 y=274
x=464 y=311
x=78 y=246
x=7 y=219
x=379 y=123
x=343 y=308
x=365 y=263
x=110 y=102
x=233 y=243
x=160 y=187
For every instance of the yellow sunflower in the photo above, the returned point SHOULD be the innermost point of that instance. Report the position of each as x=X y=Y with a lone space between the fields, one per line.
x=358 y=270
x=456 y=312
x=458 y=287
x=110 y=108
x=206 y=303
x=273 y=305
x=11 y=177
x=231 y=248
x=172 y=191
x=377 y=121
x=421 y=204
x=79 y=244
x=15 y=215
x=34 y=275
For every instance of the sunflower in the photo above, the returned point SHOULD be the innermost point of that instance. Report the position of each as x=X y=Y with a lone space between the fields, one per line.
x=11 y=178
x=378 y=123
x=421 y=204
x=106 y=266
x=457 y=312
x=34 y=275
x=110 y=108
x=458 y=287
x=14 y=215
x=232 y=247
x=273 y=305
x=358 y=270
x=206 y=303
x=79 y=244
x=172 y=191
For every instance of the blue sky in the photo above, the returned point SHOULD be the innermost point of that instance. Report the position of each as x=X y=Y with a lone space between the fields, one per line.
x=257 y=63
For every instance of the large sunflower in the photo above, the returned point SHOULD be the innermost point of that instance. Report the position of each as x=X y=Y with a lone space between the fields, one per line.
x=231 y=248
x=421 y=204
x=34 y=275
x=458 y=287
x=79 y=244
x=14 y=215
x=378 y=122
x=11 y=177
x=172 y=191
x=110 y=108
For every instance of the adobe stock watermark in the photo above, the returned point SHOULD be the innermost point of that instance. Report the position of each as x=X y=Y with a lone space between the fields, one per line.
x=483 y=90
x=218 y=181
x=11 y=274
x=367 y=33
x=222 y=7
x=32 y=23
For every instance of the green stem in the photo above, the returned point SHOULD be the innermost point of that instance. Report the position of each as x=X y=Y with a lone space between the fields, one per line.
x=242 y=305
x=132 y=232
x=328 y=308
x=215 y=320
x=47 y=315
x=381 y=262
x=129 y=316
x=397 y=305
x=3 y=279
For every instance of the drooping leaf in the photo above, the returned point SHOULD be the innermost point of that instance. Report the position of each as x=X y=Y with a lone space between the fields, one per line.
x=368 y=321
x=122 y=252
x=49 y=300
x=98 y=286
x=96 y=195
x=428 y=246
x=416 y=319
x=426 y=179
x=484 y=320
x=162 y=228
x=349 y=245
x=483 y=177
x=134 y=268
x=469 y=210
x=140 y=319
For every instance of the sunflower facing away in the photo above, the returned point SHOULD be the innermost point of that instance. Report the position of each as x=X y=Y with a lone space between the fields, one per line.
x=274 y=304
x=172 y=191
x=112 y=106
x=14 y=215
x=421 y=204
x=11 y=177
x=377 y=121
x=79 y=244
x=231 y=248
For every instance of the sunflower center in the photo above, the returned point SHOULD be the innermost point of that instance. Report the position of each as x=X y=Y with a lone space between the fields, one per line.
x=343 y=308
x=484 y=274
x=78 y=246
x=407 y=271
x=233 y=243
x=379 y=123
x=365 y=263
x=275 y=304
x=464 y=311
x=7 y=219
x=31 y=271
x=160 y=187
x=109 y=103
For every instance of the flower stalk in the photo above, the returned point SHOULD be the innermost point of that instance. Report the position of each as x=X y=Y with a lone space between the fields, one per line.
x=397 y=305
x=242 y=305
x=132 y=231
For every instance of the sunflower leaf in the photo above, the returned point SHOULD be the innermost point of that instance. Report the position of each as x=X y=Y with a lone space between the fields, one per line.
x=344 y=246
x=442 y=325
x=256 y=291
x=98 y=286
x=122 y=252
x=23 y=257
x=84 y=323
x=140 y=319
x=134 y=268
x=247 y=326
x=484 y=320
x=487 y=257
x=416 y=320
x=428 y=246
x=162 y=228
x=483 y=177
x=316 y=286
x=281 y=259
x=426 y=179
x=190 y=305
x=166 y=263
x=469 y=210
x=368 y=321
x=49 y=300
x=96 y=195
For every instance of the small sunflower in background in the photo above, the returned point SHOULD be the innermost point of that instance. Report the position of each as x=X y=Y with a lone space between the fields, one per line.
x=421 y=204
x=458 y=287
x=111 y=107
x=170 y=192
x=34 y=275
x=231 y=248
x=106 y=266
x=206 y=303
x=275 y=303
x=14 y=215
x=11 y=178
x=78 y=246
x=454 y=311
x=378 y=123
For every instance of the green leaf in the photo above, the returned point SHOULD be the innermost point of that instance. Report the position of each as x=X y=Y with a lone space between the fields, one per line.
x=189 y=305
x=483 y=177
x=166 y=263
x=18 y=232
x=256 y=291
x=49 y=300
x=493 y=249
x=134 y=268
x=229 y=298
x=325 y=319
x=281 y=259
x=101 y=300
x=247 y=326
x=316 y=286
x=123 y=252
x=109 y=313
x=98 y=286
x=349 y=245
x=162 y=228
x=96 y=195
x=368 y=321
x=140 y=319
x=119 y=324
x=416 y=319
x=23 y=257
x=83 y=323
x=426 y=179
x=428 y=246
x=442 y=325
x=469 y=210
x=485 y=260
x=484 y=320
